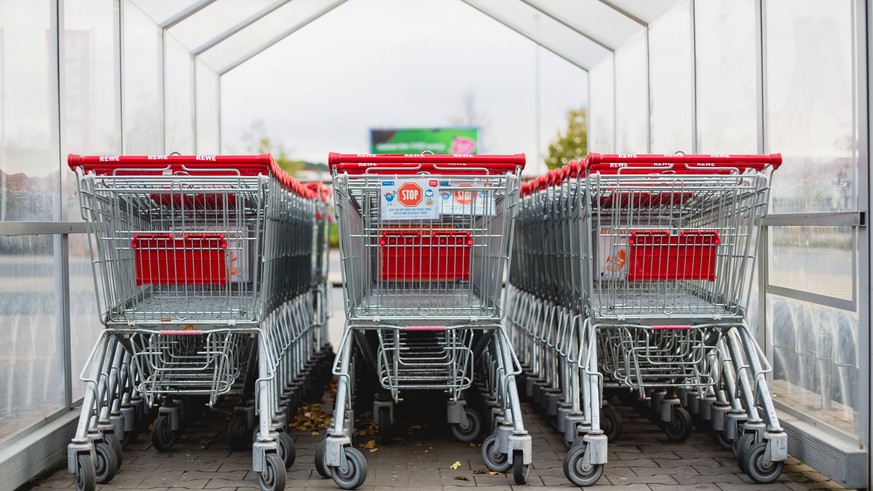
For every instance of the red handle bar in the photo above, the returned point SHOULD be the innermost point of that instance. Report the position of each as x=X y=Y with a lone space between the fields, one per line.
x=205 y=165
x=691 y=164
x=410 y=164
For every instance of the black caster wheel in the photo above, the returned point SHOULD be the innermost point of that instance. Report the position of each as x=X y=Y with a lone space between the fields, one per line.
x=494 y=460
x=577 y=471
x=679 y=428
x=163 y=437
x=286 y=449
x=238 y=435
x=86 y=480
x=758 y=468
x=610 y=423
x=106 y=465
x=721 y=438
x=520 y=470
x=272 y=478
x=112 y=440
x=470 y=431
x=383 y=435
x=322 y=469
x=129 y=437
x=353 y=472
x=741 y=447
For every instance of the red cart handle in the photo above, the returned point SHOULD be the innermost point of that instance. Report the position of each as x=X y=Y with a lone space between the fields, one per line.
x=206 y=165
x=411 y=164
x=680 y=164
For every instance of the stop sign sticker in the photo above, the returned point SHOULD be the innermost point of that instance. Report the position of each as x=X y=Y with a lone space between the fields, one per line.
x=409 y=199
x=464 y=197
x=409 y=194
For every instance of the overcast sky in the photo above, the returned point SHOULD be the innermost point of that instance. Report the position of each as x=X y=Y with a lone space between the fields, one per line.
x=396 y=63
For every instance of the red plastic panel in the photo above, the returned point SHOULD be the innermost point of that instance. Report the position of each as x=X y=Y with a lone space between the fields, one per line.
x=438 y=255
x=659 y=256
x=195 y=201
x=194 y=259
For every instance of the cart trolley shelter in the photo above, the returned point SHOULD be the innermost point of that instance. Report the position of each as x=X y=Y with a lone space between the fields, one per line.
x=203 y=269
x=425 y=242
x=654 y=254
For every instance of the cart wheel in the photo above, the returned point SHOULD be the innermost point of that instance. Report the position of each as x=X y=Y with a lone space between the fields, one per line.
x=129 y=437
x=721 y=438
x=163 y=437
x=494 y=459
x=384 y=431
x=610 y=423
x=577 y=471
x=286 y=449
x=353 y=472
x=238 y=435
x=115 y=445
x=106 y=465
x=467 y=433
x=679 y=428
x=85 y=478
x=756 y=468
x=741 y=447
x=520 y=470
x=272 y=478
x=322 y=469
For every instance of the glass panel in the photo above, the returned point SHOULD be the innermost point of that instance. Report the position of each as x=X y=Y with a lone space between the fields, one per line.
x=811 y=99
x=554 y=35
x=671 y=80
x=31 y=379
x=593 y=18
x=179 y=97
x=815 y=361
x=28 y=170
x=813 y=259
x=91 y=93
x=85 y=323
x=322 y=101
x=143 y=92
x=215 y=19
x=631 y=98
x=162 y=10
x=207 y=117
x=646 y=11
x=725 y=64
x=601 y=116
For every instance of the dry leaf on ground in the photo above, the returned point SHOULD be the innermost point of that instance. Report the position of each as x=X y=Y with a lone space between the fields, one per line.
x=456 y=465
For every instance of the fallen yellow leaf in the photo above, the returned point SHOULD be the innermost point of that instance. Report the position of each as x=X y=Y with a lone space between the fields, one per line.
x=370 y=444
x=456 y=465
x=374 y=450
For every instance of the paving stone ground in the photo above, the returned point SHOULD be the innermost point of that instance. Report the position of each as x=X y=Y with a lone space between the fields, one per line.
x=422 y=455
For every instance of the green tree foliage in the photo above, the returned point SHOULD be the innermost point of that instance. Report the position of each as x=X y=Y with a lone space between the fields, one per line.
x=572 y=144
x=258 y=141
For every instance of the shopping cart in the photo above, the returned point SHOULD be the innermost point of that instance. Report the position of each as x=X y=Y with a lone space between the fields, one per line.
x=424 y=242
x=202 y=267
x=655 y=255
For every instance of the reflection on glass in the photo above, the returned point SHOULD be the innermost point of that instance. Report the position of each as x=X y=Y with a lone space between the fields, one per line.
x=91 y=96
x=85 y=323
x=631 y=98
x=811 y=104
x=601 y=107
x=725 y=64
x=671 y=78
x=28 y=173
x=31 y=380
x=207 y=103
x=813 y=259
x=143 y=104
x=815 y=361
x=178 y=92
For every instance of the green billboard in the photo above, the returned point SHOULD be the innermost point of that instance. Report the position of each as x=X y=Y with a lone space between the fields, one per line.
x=417 y=140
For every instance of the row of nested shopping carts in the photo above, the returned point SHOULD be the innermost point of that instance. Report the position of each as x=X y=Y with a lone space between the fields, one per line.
x=210 y=273
x=631 y=277
x=425 y=240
